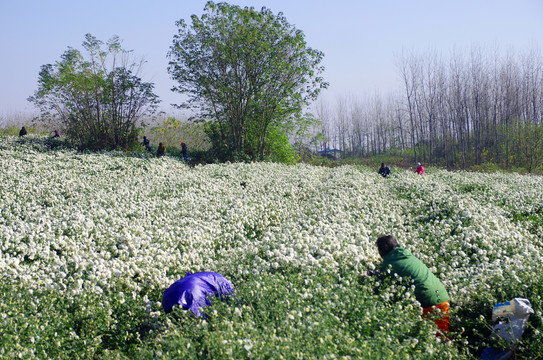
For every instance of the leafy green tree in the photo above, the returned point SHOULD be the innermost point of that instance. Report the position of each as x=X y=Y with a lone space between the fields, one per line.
x=246 y=71
x=529 y=139
x=306 y=133
x=96 y=101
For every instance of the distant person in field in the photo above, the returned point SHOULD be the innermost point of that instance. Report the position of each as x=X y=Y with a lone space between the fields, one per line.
x=420 y=169
x=161 y=151
x=56 y=134
x=146 y=143
x=184 y=151
x=22 y=132
x=384 y=170
x=429 y=290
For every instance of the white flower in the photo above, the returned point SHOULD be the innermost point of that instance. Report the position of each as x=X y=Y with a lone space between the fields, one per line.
x=89 y=227
x=248 y=344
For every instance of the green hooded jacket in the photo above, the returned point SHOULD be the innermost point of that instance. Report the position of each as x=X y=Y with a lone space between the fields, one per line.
x=429 y=290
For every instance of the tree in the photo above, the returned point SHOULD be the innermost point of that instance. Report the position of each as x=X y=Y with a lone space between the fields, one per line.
x=97 y=101
x=527 y=139
x=246 y=71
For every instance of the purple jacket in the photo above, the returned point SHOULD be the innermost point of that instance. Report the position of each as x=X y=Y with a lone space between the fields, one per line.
x=192 y=291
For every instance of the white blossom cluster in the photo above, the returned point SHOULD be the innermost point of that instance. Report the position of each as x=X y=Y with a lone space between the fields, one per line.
x=89 y=222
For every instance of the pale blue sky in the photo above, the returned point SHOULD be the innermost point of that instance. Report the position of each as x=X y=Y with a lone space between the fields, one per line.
x=361 y=39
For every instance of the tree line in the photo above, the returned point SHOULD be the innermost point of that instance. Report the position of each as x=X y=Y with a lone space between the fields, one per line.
x=468 y=109
x=247 y=75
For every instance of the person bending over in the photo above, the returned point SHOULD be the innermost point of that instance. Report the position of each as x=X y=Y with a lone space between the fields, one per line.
x=429 y=290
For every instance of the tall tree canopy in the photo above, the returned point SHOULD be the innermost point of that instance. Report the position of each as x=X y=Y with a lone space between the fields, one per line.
x=97 y=101
x=248 y=72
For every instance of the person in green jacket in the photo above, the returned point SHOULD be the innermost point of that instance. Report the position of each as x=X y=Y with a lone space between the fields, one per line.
x=429 y=290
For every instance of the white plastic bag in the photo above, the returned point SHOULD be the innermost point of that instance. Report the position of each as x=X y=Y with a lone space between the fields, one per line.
x=512 y=317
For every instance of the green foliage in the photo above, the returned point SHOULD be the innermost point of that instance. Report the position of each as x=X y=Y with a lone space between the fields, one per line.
x=48 y=324
x=172 y=132
x=246 y=71
x=323 y=161
x=529 y=151
x=279 y=149
x=531 y=220
x=220 y=148
x=273 y=317
x=95 y=101
x=518 y=147
x=486 y=167
x=305 y=134
x=14 y=130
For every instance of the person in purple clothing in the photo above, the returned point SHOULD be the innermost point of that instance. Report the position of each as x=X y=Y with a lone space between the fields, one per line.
x=193 y=291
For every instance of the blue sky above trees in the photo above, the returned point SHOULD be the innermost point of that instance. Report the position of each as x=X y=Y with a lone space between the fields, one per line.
x=360 y=39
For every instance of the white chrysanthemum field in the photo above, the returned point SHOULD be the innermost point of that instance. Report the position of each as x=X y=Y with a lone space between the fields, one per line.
x=89 y=242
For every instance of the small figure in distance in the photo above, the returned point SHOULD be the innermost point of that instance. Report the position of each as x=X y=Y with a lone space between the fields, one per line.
x=384 y=170
x=184 y=151
x=161 y=151
x=22 y=132
x=146 y=143
x=56 y=134
x=429 y=290
x=420 y=169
